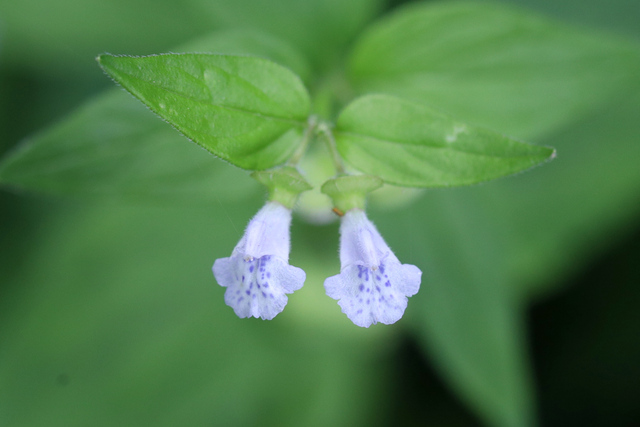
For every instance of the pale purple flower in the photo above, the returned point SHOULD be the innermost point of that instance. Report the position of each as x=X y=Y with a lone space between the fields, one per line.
x=372 y=285
x=258 y=275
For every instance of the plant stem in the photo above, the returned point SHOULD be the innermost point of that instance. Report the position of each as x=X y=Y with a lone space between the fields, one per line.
x=312 y=122
x=324 y=129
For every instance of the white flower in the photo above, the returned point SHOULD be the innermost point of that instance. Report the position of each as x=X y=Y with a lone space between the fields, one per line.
x=258 y=275
x=372 y=285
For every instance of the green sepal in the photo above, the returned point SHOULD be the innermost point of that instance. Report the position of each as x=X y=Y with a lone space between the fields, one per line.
x=350 y=192
x=284 y=184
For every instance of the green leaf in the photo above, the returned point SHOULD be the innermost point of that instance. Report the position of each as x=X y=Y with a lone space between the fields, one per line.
x=139 y=156
x=254 y=43
x=113 y=146
x=487 y=250
x=62 y=40
x=493 y=65
x=408 y=144
x=589 y=195
x=56 y=38
x=116 y=307
x=246 y=110
x=465 y=315
x=319 y=29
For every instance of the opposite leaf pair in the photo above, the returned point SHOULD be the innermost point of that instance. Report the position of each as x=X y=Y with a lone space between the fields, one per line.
x=372 y=286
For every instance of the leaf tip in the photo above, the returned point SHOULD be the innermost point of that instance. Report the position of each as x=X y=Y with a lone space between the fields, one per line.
x=103 y=60
x=548 y=154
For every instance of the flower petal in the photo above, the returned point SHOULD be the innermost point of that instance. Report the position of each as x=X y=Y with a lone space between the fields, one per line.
x=373 y=285
x=368 y=296
x=257 y=275
x=256 y=287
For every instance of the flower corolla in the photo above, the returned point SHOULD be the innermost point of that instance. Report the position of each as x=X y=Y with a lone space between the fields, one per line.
x=373 y=285
x=257 y=275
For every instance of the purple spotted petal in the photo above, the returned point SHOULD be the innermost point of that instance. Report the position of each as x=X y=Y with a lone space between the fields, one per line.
x=373 y=285
x=257 y=275
x=257 y=287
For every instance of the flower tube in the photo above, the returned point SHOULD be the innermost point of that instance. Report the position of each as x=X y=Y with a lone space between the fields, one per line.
x=373 y=285
x=257 y=275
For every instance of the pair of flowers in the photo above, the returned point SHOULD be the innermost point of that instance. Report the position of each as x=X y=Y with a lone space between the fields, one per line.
x=372 y=285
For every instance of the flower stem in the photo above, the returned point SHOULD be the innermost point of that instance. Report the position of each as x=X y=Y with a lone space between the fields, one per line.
x=324 y=129
x=312 y=122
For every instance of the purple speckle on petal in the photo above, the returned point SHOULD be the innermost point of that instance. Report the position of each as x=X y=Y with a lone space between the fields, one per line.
x=248 y=292
x=251 y=269
x=387 y=284
x=361 y=287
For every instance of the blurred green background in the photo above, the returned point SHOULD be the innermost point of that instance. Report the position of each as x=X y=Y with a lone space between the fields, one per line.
x=109 y=314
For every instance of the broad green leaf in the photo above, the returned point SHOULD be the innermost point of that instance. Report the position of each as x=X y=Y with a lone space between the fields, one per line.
x=117 y=308
x=619 y=16
x=409 y=144
x=251 y=42
x=246 y=110
x=493 y=65
x=464 y=315
x=579 y=205
x=64 y=33
x=486 y=250
x=140 y=156
x=114 y=146
x=58 y=37
x=321 y=29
